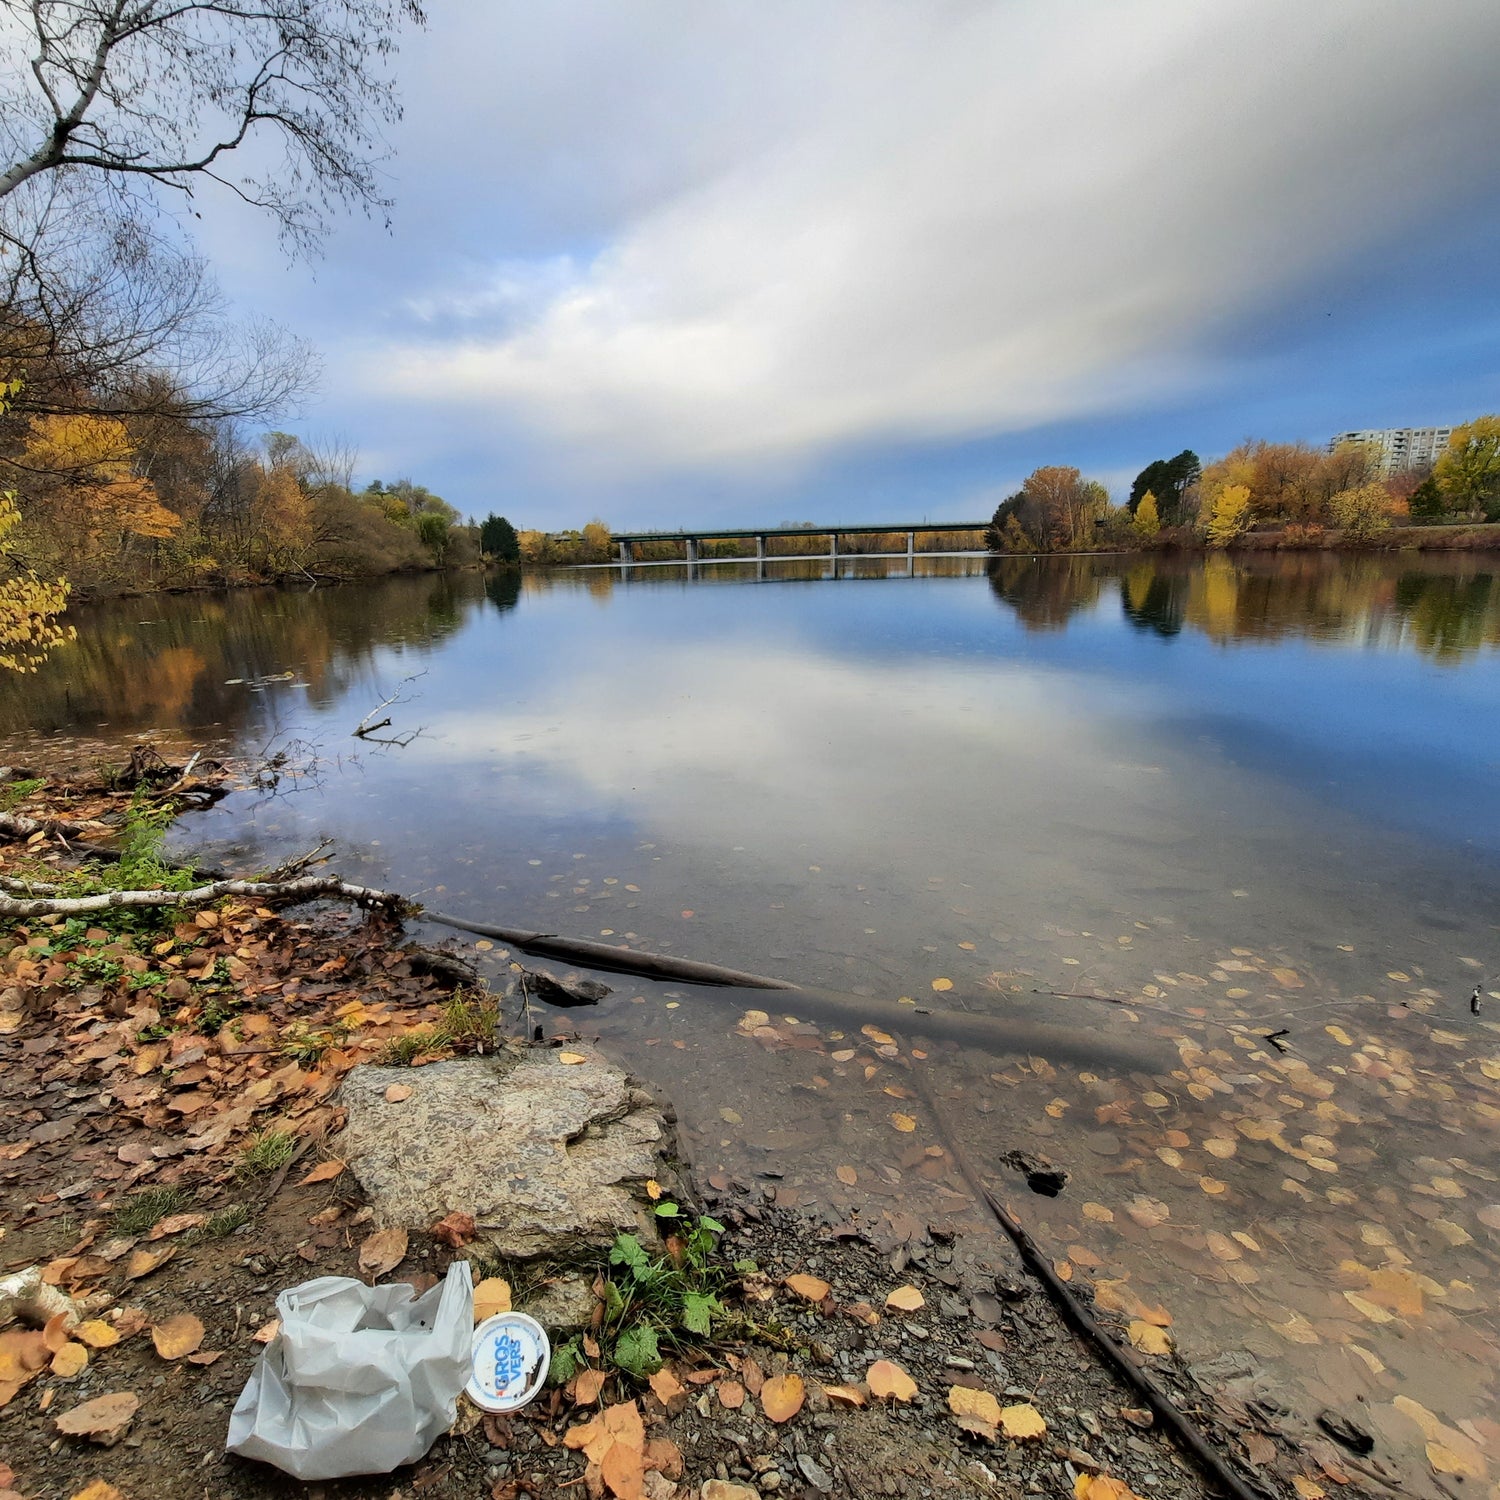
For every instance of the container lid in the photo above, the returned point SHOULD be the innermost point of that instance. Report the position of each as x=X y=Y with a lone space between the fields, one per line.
x=511 y=1354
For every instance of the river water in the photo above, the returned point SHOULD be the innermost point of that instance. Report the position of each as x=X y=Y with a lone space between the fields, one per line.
x=1229 y=799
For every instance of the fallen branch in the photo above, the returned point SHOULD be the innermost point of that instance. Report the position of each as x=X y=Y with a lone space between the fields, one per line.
x=1208 y=1458
x=306 y=888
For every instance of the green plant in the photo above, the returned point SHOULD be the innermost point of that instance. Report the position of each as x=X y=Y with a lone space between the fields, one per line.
x=144 y=1210
x=224 y=1223
x=670 y=1299
x=470 y=1024
x=402 y=1051
x=267 y=1152
x=12 y=793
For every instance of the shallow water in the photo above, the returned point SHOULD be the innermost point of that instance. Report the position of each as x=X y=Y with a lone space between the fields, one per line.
x=1240 y=798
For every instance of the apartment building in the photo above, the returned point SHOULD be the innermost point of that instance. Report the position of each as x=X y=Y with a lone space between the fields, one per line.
x=1400 y=447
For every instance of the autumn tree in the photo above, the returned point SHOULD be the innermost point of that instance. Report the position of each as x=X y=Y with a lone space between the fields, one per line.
x=1230 y=514
x=1468 y=474
x=1362 y=512
x=1058 y=507
x=1147 y=521
x=30 y=607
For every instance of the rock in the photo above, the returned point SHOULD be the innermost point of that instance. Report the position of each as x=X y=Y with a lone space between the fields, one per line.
x=569 y=990
x=561 y=1305
x=545 y=1155
x=817 y=1476
x=723 y=1489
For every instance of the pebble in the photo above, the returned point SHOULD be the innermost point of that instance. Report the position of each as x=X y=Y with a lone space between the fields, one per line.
x=958 y=1362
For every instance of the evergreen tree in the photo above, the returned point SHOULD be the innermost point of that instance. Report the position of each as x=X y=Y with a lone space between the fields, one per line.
x=498 y=539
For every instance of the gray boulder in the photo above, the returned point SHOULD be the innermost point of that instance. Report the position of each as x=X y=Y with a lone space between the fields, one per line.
x=549 y=1157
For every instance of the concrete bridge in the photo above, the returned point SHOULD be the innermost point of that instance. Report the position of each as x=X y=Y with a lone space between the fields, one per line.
x=692 y=540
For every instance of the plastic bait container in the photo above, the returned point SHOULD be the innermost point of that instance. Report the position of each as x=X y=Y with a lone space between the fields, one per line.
x=511 y=1355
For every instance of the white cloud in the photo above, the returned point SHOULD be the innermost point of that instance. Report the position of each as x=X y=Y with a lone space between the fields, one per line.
x=817 y=226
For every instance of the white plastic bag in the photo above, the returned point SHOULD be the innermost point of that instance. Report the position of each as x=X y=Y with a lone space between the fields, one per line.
x=360 y=1379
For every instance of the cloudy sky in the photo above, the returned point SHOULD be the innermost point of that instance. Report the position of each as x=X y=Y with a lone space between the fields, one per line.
x=752 y=260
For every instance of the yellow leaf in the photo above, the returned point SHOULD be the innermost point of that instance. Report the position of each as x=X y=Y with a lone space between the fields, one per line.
x=571 y=1057
x=888 y=1381
x=1101 y=1487
x=781 y=1397
x=964 y=1402
x=905 y=1299
x=491 y=1296
x=903 y=1123
x=70 y=1361
x=942 y=984
x=1308 y=1489
x=1022 y=1422
x=178 y=1336
x=653 y=1189
x=812 y=1287
x=98 y=1490
x=96 y=1335
x=1148 y=1338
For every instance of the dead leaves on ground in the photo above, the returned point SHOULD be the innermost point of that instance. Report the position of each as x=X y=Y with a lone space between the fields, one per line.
x=619 y=1454
x=889 y=1382
x=781 y=1397
x=177 y=1337
x=383 y=1251
x=491 y=1296
x=104 y=1420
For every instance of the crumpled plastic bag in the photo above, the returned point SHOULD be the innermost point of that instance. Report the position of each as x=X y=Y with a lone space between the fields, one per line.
x=360 y=1379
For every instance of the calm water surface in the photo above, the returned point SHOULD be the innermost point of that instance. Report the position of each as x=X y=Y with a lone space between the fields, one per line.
x=1240 y=798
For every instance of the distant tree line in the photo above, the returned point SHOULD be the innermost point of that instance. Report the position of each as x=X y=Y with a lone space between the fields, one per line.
x=1300 y=493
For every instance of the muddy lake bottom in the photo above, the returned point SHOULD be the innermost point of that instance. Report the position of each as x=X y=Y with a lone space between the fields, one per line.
x=1233 y=799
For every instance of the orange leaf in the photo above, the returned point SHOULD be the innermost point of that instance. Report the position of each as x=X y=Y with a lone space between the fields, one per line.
x=624 y=1472
x=96 y=1335
x=844 y=1395
x=70 y=1361
x=325 y=1171
x=397 y=1093
x=887 y=1380
x=847 y=1175
x=665 y=1386
x=1022 y=1422
x=98 y=1490
x=455 y=1229
x=587 y=1386
x=781 y=1397
x=811 y=1287
x=732 y=1394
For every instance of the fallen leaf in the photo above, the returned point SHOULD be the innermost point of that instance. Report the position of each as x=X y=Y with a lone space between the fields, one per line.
x=455 y=1229
x=847 y=1175
x=267 y=1332
x=98 y=1489
x=70 y=1361
x=397 y=1093
x=844 y=1395
x=905 y=1299
x=1307 y=1488
x=383 y=1251
x=942 y=984
x=587 y=1386
x=1101 y=1487
x=812 y=1287
x=102 y=1420
x=1022 y=1422
x=491 y=1296
x=144 y=1262
x=205 y=1356
x=966 y=1402
x=732 y=1394
x=96 y=1334
x=55 y=1334
x=888 y=1381
x=177 y=1336
x=325 y=1171
x=571 y=1058
x=666 y=1386
x=903 y=1123
x=1148 y=1338
x=781 y=1397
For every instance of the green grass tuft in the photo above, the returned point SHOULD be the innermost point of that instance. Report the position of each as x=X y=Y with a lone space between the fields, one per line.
x=267 y=1152
x=143 y=1211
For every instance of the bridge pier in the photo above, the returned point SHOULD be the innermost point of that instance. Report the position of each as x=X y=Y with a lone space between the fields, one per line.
x=760 y=549
x=911 y=545
x=691 y=544
x=626 y=557
x=833 y=546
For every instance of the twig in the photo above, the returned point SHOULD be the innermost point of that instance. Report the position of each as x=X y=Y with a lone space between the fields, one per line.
x=306 y=888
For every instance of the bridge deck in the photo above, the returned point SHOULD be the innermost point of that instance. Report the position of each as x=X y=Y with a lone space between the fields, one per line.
x=744 y=533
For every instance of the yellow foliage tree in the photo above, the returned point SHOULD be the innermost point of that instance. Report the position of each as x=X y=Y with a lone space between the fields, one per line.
x=1230 y=514
x=1362 y=512
x=84 y=463
x=29 y=607
x=1147 y=519
x=1469 y=472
